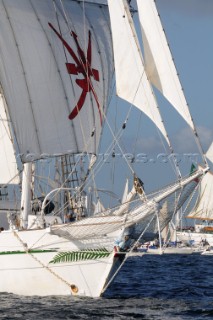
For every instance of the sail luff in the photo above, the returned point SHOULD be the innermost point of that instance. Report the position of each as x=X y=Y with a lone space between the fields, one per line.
x=131 y=79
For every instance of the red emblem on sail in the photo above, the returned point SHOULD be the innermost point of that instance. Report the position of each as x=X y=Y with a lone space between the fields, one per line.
x=82 y=66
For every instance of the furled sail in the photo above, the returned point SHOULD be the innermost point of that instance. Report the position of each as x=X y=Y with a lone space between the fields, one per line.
x=159 y=63
x=8 y=164
x=131 y=79
x=56 y=68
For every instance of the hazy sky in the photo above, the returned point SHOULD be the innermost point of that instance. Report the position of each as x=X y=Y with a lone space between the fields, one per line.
x=188 y=25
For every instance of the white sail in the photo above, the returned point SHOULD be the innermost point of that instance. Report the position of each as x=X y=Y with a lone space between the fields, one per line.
x=209 y=153
x=204 y=207
x=159 y=63
x=131 y=79
x=55 y=70
x=98 y=207
x=8 y=164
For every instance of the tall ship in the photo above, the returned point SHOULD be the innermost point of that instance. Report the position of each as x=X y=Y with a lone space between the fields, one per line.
x=59 y=63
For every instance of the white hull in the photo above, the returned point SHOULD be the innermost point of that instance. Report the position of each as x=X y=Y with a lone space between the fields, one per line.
x=175 y=250
x=31 y=273
x=170 y=251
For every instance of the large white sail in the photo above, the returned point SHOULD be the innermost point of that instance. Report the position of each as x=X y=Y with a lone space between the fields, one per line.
x=55 y=69
x=131 y=79
x=159 y=63
x=8 y=164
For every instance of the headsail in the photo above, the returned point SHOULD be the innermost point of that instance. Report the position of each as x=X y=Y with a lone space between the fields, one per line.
x=131 y=79
x=55 y=69
x=159 y=63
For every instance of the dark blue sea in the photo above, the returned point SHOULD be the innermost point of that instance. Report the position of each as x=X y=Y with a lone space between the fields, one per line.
x=148 y=287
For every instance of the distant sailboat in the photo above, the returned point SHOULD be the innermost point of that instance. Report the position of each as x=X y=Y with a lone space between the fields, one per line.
x=202 y=212
x=57 y=67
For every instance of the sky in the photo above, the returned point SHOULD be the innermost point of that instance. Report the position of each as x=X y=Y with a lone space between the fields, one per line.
x=189 y=28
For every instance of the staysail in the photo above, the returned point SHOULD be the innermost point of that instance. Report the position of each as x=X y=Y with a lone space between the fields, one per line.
x=56 y=67
x=159 y=63
x=131 y=79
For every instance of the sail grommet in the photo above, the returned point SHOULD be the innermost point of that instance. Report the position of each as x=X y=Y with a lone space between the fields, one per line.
x=74 y=288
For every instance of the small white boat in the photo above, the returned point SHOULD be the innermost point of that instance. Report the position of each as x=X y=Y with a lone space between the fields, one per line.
x=171 y=250
x=168 y=250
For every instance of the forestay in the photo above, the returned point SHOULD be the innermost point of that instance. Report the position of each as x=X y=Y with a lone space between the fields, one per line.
x=55 y=69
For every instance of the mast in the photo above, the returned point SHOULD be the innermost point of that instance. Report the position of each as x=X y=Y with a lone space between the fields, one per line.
x=26 y=196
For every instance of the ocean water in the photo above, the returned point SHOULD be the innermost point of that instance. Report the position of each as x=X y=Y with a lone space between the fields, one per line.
x=148 y=287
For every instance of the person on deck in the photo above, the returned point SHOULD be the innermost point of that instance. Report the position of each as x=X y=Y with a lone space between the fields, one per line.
x=69 y=217
x=124 y=243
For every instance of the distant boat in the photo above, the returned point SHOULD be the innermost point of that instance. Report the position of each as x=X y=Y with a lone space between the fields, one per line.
x=202 y=213
x=57 y=64
x=173 y=249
